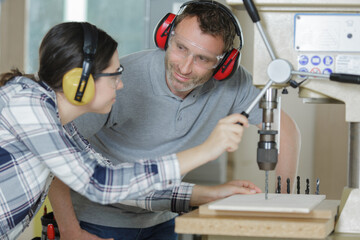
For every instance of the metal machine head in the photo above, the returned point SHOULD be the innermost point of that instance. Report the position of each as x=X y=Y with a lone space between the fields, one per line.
x=267 y=152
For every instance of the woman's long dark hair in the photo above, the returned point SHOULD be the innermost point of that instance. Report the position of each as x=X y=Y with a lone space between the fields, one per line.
x=62 y=50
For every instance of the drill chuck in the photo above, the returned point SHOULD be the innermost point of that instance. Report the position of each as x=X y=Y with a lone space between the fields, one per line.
x=267 y=153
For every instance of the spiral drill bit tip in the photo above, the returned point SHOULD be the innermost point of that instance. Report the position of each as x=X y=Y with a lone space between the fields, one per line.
x=317 y=186
x=266 y=184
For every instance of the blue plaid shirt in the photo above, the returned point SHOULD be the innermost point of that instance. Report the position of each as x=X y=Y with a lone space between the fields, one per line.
x=34 y=144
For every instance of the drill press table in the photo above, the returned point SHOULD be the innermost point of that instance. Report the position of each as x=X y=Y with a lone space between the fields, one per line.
x=316 y=224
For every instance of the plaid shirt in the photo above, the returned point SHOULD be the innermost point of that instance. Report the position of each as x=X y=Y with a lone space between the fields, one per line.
x=33 y=144
x=177 y=199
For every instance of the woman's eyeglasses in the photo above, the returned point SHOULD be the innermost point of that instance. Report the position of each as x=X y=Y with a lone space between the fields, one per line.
x=115 y=76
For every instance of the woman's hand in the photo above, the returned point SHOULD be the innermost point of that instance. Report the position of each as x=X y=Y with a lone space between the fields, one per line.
x=225 y=137
x=204 y=194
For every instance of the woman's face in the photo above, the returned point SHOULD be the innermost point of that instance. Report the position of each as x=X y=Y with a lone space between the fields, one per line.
x=106 y=86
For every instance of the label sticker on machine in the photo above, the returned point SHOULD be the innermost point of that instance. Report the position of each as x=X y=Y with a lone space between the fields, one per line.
x=316 y=63
x=348 y=64
x=327 y=32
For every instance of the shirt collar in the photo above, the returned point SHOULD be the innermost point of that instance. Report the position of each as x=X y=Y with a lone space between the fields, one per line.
x=44 y=88
x=28 y=83
x=44 y=85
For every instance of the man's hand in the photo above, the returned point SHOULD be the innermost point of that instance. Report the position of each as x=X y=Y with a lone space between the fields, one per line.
x=204 y=194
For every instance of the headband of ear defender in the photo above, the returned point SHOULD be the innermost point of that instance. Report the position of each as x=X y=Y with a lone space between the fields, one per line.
x=78 y=83
x=231 y=59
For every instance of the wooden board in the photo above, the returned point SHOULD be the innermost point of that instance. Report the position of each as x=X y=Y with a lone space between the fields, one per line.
x=325 y=210
x=317 y=224
x=290 y=203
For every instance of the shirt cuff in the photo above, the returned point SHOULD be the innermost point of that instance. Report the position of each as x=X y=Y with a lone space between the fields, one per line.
x=180 y=198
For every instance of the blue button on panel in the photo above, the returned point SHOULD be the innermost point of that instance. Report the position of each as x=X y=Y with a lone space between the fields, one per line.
x=315 y=60
x=303 y=60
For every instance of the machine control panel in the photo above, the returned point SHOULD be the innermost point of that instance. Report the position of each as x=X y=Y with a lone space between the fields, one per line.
x=326 y=43
x=327 y=32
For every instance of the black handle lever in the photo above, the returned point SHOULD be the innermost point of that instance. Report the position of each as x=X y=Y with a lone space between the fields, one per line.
x=252 y=11
x=345 y=78
x=245 y=114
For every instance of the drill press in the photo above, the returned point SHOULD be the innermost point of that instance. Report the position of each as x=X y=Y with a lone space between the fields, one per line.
x=280 y=71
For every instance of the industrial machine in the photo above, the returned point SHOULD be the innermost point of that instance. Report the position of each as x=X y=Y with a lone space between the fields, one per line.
x=321 y=77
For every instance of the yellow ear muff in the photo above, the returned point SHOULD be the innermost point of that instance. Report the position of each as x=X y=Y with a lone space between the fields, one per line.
x=70 y=85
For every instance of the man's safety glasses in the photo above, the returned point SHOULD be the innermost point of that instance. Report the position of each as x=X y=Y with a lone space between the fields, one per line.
x=183 y=48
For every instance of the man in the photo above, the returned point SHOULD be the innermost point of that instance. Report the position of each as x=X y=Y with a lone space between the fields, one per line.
x=171 y=102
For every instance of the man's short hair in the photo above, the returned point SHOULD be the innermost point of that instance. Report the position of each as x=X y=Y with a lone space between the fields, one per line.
x=212 y=20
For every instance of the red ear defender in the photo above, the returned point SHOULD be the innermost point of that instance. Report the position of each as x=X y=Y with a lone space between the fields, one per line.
x=162 y=30
x=228 y=65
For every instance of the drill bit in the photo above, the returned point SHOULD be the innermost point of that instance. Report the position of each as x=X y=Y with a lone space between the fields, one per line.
x=307 y=190
x=298 y=184
x=288 y=185
x=317 y=186
x=278 y=188
x=266 y=184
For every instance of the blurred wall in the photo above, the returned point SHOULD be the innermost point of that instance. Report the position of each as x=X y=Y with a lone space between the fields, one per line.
x=12 y=55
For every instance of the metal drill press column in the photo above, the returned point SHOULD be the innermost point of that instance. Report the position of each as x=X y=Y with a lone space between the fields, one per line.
x=354 y=155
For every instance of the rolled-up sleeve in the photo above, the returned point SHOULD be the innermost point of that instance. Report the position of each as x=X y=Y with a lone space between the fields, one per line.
x=176 y=199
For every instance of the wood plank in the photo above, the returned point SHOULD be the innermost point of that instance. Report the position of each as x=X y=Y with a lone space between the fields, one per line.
x=194 y=223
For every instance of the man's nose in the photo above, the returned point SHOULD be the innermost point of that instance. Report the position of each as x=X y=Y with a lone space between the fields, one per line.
x=186 y=64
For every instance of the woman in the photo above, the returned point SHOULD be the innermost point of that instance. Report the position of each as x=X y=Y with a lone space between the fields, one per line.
x=38 y=139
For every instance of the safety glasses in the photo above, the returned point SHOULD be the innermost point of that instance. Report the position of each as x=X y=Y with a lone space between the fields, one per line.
x=115 y=77
x=184 y=48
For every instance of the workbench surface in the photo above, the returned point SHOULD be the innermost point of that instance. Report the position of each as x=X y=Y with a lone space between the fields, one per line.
x=216 y=225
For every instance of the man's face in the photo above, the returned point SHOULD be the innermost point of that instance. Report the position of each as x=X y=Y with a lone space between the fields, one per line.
x=191 y=57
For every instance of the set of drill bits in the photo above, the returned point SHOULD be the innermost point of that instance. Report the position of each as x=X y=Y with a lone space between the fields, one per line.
x=307 y=188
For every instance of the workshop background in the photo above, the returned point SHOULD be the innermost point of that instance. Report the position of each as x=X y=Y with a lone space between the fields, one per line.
x=324 y=150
